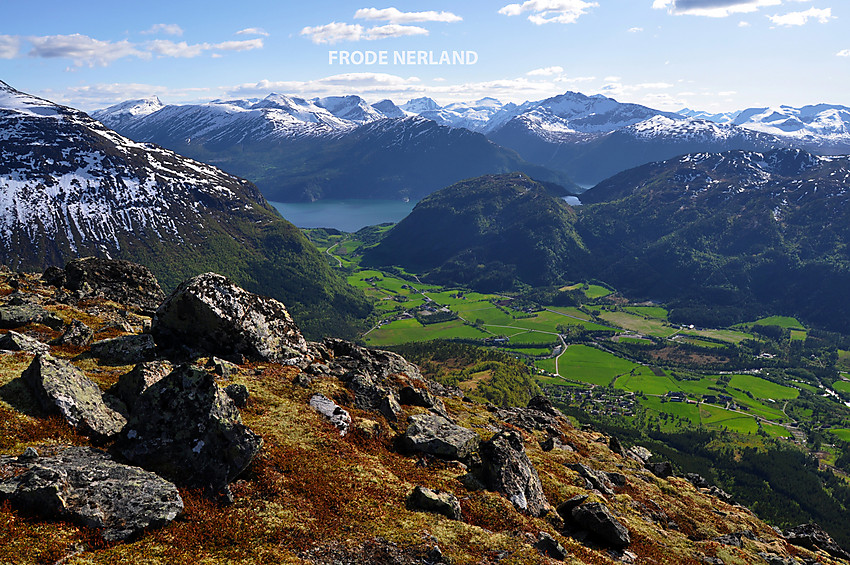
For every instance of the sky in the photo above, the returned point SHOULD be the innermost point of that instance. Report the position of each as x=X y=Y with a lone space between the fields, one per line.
x=712 y=55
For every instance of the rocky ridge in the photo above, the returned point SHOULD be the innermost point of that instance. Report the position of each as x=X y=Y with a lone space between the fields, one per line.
x=279 y=481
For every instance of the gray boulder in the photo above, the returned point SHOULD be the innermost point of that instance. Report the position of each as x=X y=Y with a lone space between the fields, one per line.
x=595 y=479
x=187 y=429
x=59 y=386
x=505 y=468
x=13 y=341
x=214 y=314
x=124 y=349
x=662 y=470
x=426 y=500
x=86 y=486
x=123 y=282
x=130 y=385
x=16 y=315
x=238 y=393
x=601 y=524
x=435 y=435
x=550 y=547
x=328 y=408
x=77 y=333
x=811 y=536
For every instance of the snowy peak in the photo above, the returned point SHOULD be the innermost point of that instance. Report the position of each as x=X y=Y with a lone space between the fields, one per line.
x=27 y=105
x=129 y=110
x=388 y=108
x=351 y=108
x=419 y=105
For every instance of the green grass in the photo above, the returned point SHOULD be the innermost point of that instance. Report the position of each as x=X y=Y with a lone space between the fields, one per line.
x=528 y=350
x=731 y=336
x=570 y=312
x=592 y=291
x=589 y=365
x=639 y=324
x=781 y=321
x=841 y=433
x=649 y=311
x=762 y=388
x=634 y=341
x=404 y=331
x=799 y=335
x=699 y=342
x=844 y=359
x=647 y=382
x=536 y=338
x=841 y=386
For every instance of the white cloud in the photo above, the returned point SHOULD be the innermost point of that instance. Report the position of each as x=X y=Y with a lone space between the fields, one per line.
x=253 y=31
x=166 y=29
x=712 y=8
x=10 y=45
x=743 y=24
x=393 y=30
x=83 y=50
x=246 y=45
x=166 y=48
x=822 y=15
x=635 y=29
x=550 y=11
x=546 y=71
x=727 y=93
x=843 y=53
x=335 y=32
x=396 y=16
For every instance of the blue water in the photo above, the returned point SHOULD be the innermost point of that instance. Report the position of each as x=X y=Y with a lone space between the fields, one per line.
x=344 y=215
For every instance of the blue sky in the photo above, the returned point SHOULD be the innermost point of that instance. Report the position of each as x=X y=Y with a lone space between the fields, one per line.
x=718 y=55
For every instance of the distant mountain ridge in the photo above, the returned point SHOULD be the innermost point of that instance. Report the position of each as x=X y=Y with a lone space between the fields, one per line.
x=572 y=136
x=70 y=187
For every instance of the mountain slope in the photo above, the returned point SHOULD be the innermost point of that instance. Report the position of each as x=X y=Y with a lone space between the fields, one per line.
x=488 y=233
x=731 y=230
x=391 y=159
x=70 y=187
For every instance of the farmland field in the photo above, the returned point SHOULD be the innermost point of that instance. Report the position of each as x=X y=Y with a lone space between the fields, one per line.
x=589 y=365
x=635 y=323
x=781 y=321
x=762 y=388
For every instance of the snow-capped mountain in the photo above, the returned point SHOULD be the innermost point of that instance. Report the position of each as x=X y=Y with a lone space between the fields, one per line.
x=720 y=118
x=235 y=121
x=822 y=128
x=350 y=108
x=593 y=137
x=388 y=108
x=70 y=187
x=126 y=112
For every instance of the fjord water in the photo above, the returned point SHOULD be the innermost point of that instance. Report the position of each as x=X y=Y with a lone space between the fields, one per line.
x=344 y=215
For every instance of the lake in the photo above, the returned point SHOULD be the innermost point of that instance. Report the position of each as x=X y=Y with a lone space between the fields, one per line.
x=344 y=215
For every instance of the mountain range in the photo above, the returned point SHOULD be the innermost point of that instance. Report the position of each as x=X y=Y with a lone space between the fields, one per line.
x=69 y=187
x=721 y=237
x=286 y=145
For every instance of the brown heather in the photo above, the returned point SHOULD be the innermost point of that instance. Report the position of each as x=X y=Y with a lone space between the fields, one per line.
x=312 y=492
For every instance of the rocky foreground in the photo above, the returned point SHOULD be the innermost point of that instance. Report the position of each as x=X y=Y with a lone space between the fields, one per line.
x=202 y=427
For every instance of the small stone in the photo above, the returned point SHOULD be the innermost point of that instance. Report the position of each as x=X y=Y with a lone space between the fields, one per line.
x=29 y=454
x=427 y=500
x=505 y=468
x=662 y=470
x=598 y=520
x=77 y=334
x=303 y=380
x=550 y=547
x=13 y=341
x=340 y=418
x=435 y=435
x=124 y=349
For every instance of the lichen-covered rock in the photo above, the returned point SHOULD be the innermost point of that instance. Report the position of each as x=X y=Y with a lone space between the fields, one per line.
x=238 y=393
x=596 y=479
x=601 y=524
x=661 y=469
x=85 y=485
x=131 y=385
x=187 y=429
x=812 y=536
x=13 y=341
x=329 y=409
x=124 y=349
x=214 y=314
x=59 y=386
x=550 y=547
x=505 y=468
x=123 y=282
x=426 y=500
x=16 y=315
x=435 y=435
x=77 y=333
